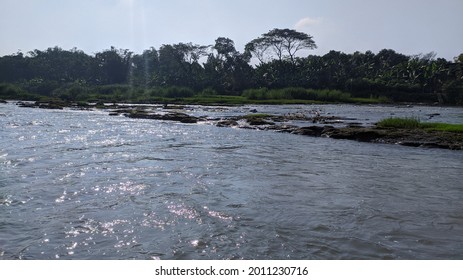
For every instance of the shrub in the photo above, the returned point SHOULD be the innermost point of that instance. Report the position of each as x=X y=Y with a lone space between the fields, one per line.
x=399 y=123
x=40 y=86
x=255 y=94
x=332 y=95
x=295 y=93
x=9 y=90
x=113 y=89
x=71 y=92
x=412 y=123
x=156 y=92
x=208 y=92
x=178 y=92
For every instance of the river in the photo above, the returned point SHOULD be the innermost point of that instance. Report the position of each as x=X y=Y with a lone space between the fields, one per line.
x=86 y=185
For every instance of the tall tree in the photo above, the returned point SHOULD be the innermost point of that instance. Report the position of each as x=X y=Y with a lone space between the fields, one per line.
x=60 y=65
x=459 y=59
x=227 y=70
x=178 y=65
x=145 y=67
x=191 y=53
x=172 y=70
x=282 y=43
x=14 y=68
x=225 y=47
x=114 y=65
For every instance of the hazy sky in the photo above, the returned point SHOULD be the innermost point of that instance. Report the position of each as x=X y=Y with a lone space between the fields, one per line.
x=407 y=26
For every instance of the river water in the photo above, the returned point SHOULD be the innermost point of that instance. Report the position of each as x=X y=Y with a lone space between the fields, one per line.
x=86 y=185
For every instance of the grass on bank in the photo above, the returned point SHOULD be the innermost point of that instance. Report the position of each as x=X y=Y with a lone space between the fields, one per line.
x=240 y=100
x=414 y=123
x=303 y=95
x=458 y=128
x=74 y=92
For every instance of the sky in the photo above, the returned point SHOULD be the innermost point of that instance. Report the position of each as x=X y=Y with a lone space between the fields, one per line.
x=410 y=27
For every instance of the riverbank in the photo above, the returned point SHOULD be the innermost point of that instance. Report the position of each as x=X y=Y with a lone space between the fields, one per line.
x=312 y=124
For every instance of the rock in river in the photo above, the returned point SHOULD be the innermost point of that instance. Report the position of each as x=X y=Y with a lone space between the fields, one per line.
x=174 y=116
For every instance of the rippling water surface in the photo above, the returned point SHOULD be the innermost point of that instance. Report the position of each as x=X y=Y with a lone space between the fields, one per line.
x=85 y=185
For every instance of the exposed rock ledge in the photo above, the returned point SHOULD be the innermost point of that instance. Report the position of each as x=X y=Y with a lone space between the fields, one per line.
x=171 y=116
x=406 y=137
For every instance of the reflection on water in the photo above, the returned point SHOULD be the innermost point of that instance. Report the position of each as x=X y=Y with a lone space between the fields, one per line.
x=84 y=185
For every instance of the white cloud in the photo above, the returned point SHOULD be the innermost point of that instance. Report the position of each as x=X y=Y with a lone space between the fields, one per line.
x=307 y=22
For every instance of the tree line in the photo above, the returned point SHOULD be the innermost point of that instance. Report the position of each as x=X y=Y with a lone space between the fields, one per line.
x=268 y=62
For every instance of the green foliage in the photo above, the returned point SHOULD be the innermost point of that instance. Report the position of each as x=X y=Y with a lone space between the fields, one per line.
x=280 y=43
x=208 y=92
x=255 y=94
x=180 y=71
x=71 y=92
x=331 y=96
x=457 y=128
x=251 y=117
x=114 y=65
x=453 y=92
x=414 y=123
x=40 y=86
x=113 y=89
x=297 y=94
x=178 y=92
x=11 y=91
x=215 y=100
x=171 y=92
x=408 y=123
